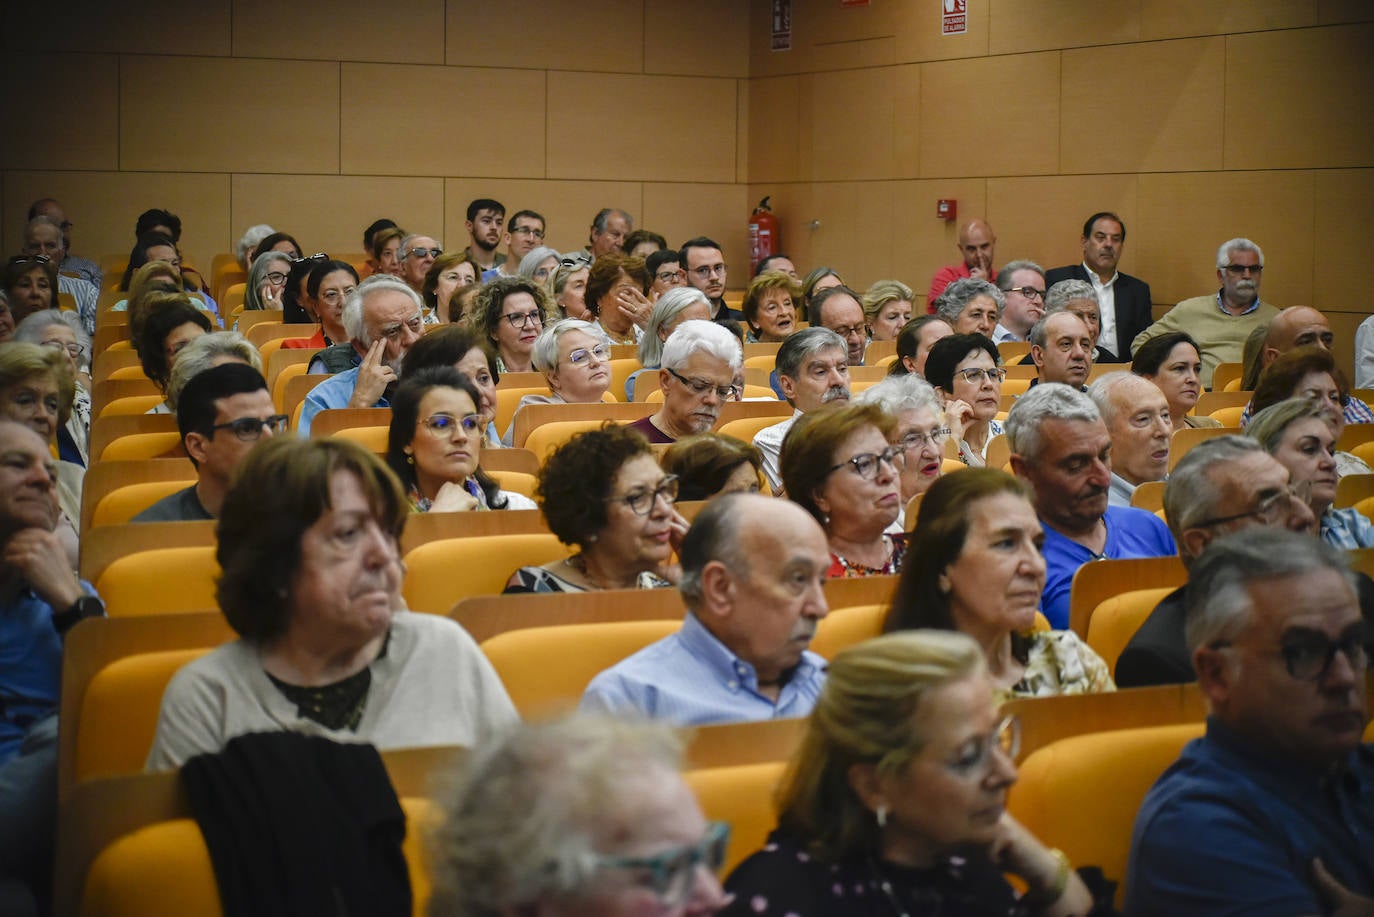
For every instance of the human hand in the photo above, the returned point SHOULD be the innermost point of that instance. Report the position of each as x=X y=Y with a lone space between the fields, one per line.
x=958 y=414
x=453 y=497
x=40 y=558
x=635 y=306
x=982 y=268
x=374 y=375
x=269 y=299
x=677 y=530
x=1342 y=901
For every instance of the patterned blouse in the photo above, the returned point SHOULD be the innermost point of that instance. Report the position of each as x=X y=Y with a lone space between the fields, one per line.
x=1059 y=662
x=843 y=569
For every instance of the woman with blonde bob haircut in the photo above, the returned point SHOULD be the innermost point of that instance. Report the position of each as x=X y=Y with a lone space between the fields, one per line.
x=895 y=802
x=887 y=309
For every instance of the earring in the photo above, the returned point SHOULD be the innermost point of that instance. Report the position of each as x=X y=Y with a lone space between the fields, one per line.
x=410 y=459
x=881 y=814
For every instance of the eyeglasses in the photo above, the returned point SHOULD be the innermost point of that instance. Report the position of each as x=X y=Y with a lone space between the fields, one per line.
x=393 y=332
x=528 y=231
x=848 y=331
x=30 y=259
x=916 y=440
x=865 y=464
x=441 y=425
x=669 y=276
x=1005 y=737
x=1308 y=657
x=318 y=256
x=521 y=319
x=700 y=387
x=1029 y=292
x=672 y=873
x=72 y=348
x=276 y=278
x=334 y=297
x=1236 y=270
x=583 y=355
x=421 y=252
x=976 y=375
x=579 y=260
x=1271 y=509
x=641 y=502
x=708 y=270
x=248 y=429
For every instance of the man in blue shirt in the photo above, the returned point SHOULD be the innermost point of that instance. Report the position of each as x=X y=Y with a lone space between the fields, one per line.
x=1272 y=811
x=752 y=572
x=1061 y=447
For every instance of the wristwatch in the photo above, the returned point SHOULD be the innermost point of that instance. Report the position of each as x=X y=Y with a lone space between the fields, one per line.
x=88 y=606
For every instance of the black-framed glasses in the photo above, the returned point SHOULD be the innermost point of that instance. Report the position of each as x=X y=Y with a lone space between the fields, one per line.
x=865 y=464
x=849 y=331
x=976 y=375
x=916 y=439
x=442 y=425
x=527 y=231
x=521 y=319
x=641 y=502
x=248 y=429
x=1236 y=270
x=670 y=276
x=672 y=873
x=1308 y=656
x=276 y=278
x=1271 y=509
x=421 y=252
x=700 y=387
x=582 y=356
x=318 y=256
x=1029 y=292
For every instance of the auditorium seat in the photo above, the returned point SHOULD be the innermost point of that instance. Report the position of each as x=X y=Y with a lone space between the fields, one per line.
x=441 y=573
x=160 y=582
x=743 y=796
x=124 y=503
x=1114 y=622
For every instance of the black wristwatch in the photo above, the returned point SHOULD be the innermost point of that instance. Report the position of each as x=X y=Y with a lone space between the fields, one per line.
x=88 y=606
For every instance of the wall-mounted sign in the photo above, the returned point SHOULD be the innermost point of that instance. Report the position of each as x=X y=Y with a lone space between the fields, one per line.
x=953 y=17
x=782 y=25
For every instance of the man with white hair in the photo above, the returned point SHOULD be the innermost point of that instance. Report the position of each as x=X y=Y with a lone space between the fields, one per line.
x=696 y=375
x=1220 y=322
x=813 y=369
x=384 y=317
x=1137 y=417
x=83 y=268
x=417 y=254
x=43 y=238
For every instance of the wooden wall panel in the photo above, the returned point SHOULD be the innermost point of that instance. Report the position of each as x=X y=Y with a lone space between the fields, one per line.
x=679 y=212
x=921 y=243
x=1344 y=202
x=355 y=30
x=851 y=236
x=776 y=124
x=705 y=38
x=62 y=111
x=919 y=36
x=195 y=27
x=401 y=120
x=568 y=206
x=793 y=205
x=826 y=36
x=1330 y=12
x=1018 y=26
x=604 y=36
x=1042 y=218
x=1108 y=125
x=862 y=123
x=1181 y=18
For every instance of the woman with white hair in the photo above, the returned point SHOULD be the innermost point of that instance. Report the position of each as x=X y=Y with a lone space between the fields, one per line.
x=539 y=265
x=266 y=280
x=678 y=305
x=575 y=358
x=971 y=306
x=920 y=429
x=64 y=331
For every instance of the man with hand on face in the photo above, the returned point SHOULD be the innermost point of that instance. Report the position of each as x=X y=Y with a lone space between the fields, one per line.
x=484 y=221
x=1138 y=422
x=697 y=375
x=813 y=369
x=1124 y=300
x=977 y=244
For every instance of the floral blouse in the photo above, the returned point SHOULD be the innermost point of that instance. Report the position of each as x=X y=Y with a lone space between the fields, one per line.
x=1059 y=662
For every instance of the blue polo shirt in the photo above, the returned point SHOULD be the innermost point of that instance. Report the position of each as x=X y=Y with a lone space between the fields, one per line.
x=30 y=666
x=1131 y=532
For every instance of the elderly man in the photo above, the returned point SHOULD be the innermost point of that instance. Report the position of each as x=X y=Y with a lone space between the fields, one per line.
x=696 y=375
x=838 y=308
x=524 y=233
x=780 y=263
x=1270 y=812
x=221 y=413
x=43 y=237
x=1221 y=322
x=1124 y=300
x=1137 y=417
x=1023 y=285
x=1303 y=326
x=83 y=268
x=40 y=599
x=485 y=217
x=752 y=575
x=417 y=254
x=1061 y=349
x=1221 y=486
x=383 y=317
x=977 y=245
x=609 y=228
x=1060 y=446
x=704 y=264
x=813 y=369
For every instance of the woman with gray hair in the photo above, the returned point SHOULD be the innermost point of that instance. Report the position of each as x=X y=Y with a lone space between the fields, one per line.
x=205 y=352
x=583 y=815
x=569 y=285
x=539 y=265
x=64 y=331
x=678 y=305
x=266 y=280
x=575 y=357
x=920 y=430
x=1079 y=297
x=971 y=306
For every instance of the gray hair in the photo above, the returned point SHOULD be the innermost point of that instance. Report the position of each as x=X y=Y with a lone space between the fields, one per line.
x=1011 y=267
x=41 y=220
x=567 y=266
x=354 y=306
x=666 y=310
x=198 y=356
x=257 y=275
x=524 y=817
x=1191 y=494
x=544 y=351
x=802 y=345
x=698 y=336
x=31 y=329
x=952 y=302
x=1267 y=426
x=908 y=392
x=1058 y=297
x=1239 y=244
x=603 y=218
x=249 y=241
x=1038 y=336
x=530 y=263
x=883 y=292
x=1101 y=392
x=405 y=242
x=713 y=536
x=1217 y=599
x=1049 y=400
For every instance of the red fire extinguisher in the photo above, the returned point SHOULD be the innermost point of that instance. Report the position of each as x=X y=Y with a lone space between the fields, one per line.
x=763 y=235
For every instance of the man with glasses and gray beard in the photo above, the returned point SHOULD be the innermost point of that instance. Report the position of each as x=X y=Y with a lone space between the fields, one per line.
x=697 y=376
x=813 y=369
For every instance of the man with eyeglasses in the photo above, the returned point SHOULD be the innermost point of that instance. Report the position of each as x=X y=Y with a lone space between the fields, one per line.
x=524 y=233
x=697 y=376
x=753 y=569
x=1220 y=322
x=417 y=254
x=704 y=264
x=222 y=413
x=43 y=238
x=1023 y=285
x=838 y=308
x=84 y=268
x=485 y=217
x=1271 y=811
x=1124 y=300
x=813 y=369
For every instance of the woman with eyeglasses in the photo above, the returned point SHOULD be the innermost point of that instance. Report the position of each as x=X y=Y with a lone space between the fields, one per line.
x=895 y=803
x=539 y=265
x=585 y=816
x=569 y=286
x=30 y=282
x=575 y=358
x=966 y=373
x=920 y=430
x=63 y=332
x=435 y=445
x=837 y=463
x=618 y=296
x=327 y=288
x=449 y=273
x=976 y=567
x=266 y=280
x=510 y=312
x=1311 y=372
x=603 y=493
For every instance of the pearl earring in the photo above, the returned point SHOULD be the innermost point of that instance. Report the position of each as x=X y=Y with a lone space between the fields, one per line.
x=881 y=815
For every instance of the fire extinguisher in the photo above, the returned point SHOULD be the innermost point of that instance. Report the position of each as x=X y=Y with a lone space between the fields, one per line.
x=763 y=235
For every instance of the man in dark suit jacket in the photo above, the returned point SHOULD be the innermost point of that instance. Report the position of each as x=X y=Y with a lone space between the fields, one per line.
x=1125 y=300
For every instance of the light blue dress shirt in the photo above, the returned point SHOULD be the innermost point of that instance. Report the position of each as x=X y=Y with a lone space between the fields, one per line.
x=334 y=392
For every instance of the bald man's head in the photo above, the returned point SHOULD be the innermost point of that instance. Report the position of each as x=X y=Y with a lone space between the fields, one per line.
x=977 y=243
x=1296 y=326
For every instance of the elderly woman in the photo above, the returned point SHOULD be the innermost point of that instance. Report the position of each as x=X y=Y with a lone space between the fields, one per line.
x=266 y=280
x=435 y=445
x=643 y=242
x=709 y=465
x=170 y=324
x=539 y=264
x=618 y=296
x=153 y=277
x=30 y=283
x=206 y=352
x=914 y=342
x=839 y=466
x=1310 y=372
x=770 y=307
x=964 y=370
x=1173 y=363
x=511 y=312
x=575 y=358
x=920 y=429
x=678 y=305
x=386 y=243
x=569 y=286
x=449 y=272
x=603 y=493
x=63 y=332
x=583 y=815
x=460 y=347
x=887 y=309
x=971 y=306
x=895 y=802
x=1298 y=433
x=327 y=288
x=311 y=582
x=976 y=567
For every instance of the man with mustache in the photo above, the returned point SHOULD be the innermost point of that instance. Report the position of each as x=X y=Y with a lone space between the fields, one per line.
x=1061 y=447
x=1124 y=300
x=1221 y=322
x=1269 y=812
x=752 y=574
x=696 y=376
x=813 y=369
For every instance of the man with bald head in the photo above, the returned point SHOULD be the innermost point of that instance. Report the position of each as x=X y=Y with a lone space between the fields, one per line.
x=1137 y=417
x=753 y=568
x=1303 y=326
x=1061 y=349
x=977 y=245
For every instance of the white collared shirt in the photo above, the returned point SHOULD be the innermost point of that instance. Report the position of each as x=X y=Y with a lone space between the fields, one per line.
x=1106 y=300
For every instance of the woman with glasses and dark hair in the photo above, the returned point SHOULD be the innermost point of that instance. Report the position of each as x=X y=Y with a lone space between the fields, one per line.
x=965 y=370
x=511 y=312
x=895 y=801
x=575 y=358
x=460 y=347
x=839 y=466
x=435 y=445
x=976 y=567
x=603 y=493
x=327 y=288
